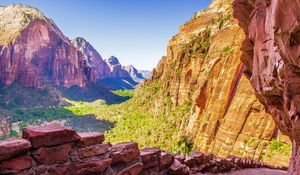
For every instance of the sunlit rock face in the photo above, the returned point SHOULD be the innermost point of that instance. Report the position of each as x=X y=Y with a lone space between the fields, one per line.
x=203 y=67
x=98 y=65
x=116 y=68
x=33 y=51
x=271 y=54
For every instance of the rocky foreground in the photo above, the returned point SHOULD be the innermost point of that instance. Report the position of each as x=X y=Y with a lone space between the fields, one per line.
x=56 y=150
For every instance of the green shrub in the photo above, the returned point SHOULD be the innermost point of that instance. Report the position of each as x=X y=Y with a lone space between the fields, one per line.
x=277 y=147
x=12 y=133
x=227 y=49
x=204 y=44
x=184 y=147
x=192 y=51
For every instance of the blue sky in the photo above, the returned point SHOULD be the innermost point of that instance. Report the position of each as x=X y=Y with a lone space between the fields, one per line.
x=135 y=31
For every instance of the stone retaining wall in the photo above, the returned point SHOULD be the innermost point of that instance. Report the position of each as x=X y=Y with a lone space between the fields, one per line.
x=56 y=150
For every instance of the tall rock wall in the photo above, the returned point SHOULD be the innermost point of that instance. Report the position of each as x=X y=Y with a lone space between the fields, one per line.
x=34 y=51
x=203 y=68
x=271 y=55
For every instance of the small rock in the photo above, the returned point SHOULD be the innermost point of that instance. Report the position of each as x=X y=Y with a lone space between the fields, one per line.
x=125 y=152
x=180 y=158
x=134 y=169
x=195 y=159
x=93 y=150
x=150 y=157
x=165 y=159
x=19 y=164
x=12 y=148
x=52 y=155
x=88 y=139
x=177 y=168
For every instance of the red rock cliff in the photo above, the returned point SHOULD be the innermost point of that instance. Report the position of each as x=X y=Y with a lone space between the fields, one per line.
x=33 y=51
x=271 y=54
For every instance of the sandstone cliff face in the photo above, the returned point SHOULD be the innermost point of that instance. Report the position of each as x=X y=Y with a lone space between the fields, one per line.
x=33 y=51
x=203 y=68
x=271 y=54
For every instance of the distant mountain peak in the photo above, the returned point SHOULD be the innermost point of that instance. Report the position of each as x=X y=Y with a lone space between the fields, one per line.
x=113 y=60
x=80 y=42
x=131 y=69
x=14 y=19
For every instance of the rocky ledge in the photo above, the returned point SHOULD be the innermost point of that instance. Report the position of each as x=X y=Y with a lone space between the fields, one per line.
x=56 y=150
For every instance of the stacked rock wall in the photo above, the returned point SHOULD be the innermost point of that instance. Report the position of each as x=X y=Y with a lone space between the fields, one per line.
x=55 y=150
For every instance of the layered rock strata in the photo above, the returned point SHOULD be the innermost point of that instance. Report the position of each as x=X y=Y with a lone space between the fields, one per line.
x=271 y=56
x=55 y=150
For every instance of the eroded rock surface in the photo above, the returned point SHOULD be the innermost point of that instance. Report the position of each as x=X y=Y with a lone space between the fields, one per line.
x=271 y=55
